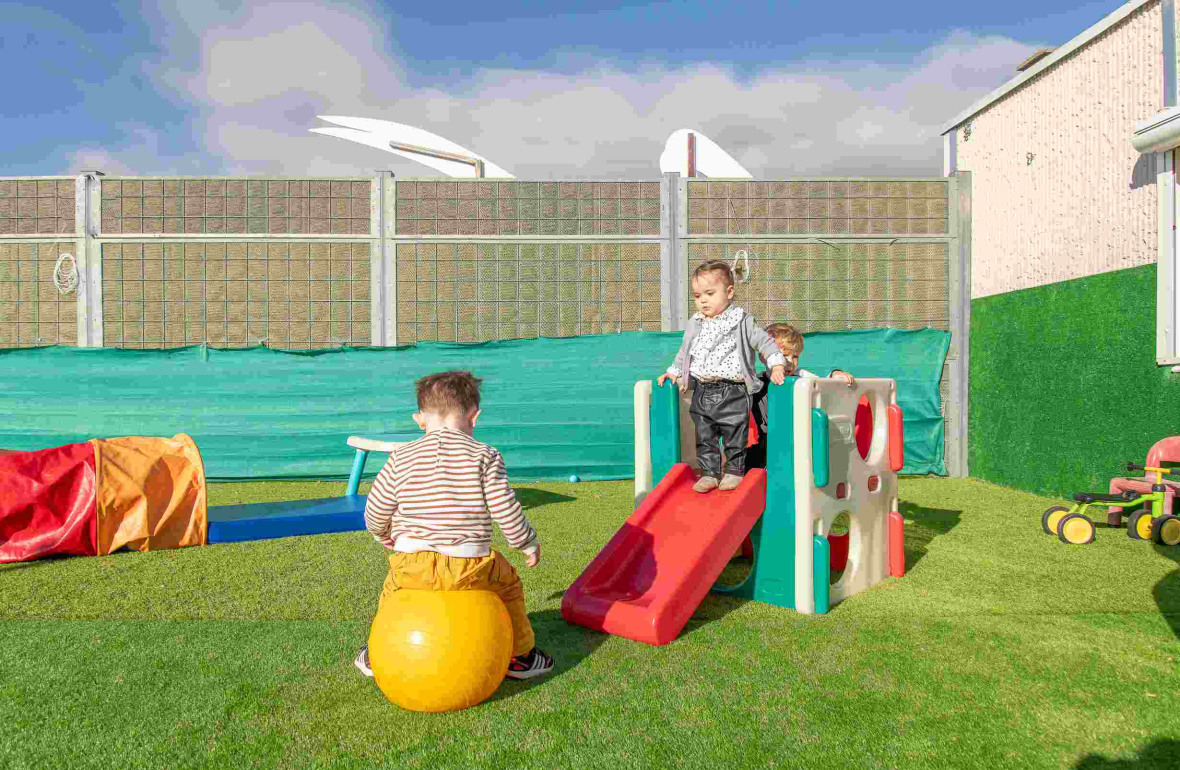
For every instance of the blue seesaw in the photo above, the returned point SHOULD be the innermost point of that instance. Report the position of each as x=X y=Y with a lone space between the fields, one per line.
x=287 y=518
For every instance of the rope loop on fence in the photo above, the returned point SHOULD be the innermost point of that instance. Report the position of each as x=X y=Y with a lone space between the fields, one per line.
x=65 y=278
x=741 y=274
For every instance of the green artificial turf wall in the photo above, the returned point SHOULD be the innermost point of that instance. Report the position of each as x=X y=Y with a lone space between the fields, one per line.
x=1064 y=385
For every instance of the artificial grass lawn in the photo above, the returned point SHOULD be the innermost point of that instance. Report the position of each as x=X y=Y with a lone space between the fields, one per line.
x=1002 y=647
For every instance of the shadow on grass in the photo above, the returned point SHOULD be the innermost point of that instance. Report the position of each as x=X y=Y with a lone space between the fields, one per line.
x=14 y=566
x=1167 y=595
x=929 y=523
x=1160 y=753
x=535 y=498
x=568 y=644
x=50 y=559
x=716 y=606
x=713 y=607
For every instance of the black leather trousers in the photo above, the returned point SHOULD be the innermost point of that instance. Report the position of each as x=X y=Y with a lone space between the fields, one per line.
x=721 y=413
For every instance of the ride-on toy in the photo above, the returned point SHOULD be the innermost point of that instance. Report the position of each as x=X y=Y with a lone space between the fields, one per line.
x=1073 y=526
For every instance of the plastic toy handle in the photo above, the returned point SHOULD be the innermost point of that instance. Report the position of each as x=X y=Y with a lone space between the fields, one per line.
x=896 y=438
x=1135 y=467
x=1160 y=473
x=896 y=544
x=820 y=451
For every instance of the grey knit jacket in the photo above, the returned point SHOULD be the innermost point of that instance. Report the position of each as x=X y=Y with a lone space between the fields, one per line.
x=751 y=337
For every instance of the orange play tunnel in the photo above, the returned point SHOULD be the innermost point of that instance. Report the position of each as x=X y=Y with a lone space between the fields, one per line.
x=98 y=496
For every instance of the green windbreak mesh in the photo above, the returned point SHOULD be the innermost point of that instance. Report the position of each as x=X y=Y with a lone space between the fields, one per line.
x=553 y=406
x=914 y=359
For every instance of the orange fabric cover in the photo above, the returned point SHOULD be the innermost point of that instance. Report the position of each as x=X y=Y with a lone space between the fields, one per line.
x=151 y=493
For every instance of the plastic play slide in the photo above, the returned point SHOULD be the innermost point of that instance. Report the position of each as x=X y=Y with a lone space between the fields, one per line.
x=649 y=579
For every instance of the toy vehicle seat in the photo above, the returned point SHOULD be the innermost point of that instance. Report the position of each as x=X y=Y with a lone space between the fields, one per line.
x=1094 y=497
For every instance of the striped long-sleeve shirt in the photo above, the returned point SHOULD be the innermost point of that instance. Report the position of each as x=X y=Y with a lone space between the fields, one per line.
x=442 y=493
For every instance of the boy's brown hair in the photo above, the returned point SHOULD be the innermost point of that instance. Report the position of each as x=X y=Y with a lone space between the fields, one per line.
x=787 y=336
x=446 y=393
x=724 y=271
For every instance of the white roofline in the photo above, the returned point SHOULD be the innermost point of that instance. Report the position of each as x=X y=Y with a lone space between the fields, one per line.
x=1106 y=23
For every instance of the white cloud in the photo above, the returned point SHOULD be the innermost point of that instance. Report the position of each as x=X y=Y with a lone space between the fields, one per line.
x=97 y=159
x=138 y=153
x=258 y=73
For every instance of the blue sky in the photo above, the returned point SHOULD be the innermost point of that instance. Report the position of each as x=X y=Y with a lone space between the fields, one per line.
x=232 y=87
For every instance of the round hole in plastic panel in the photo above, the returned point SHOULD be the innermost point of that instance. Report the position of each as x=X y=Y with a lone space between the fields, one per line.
x=863 y=427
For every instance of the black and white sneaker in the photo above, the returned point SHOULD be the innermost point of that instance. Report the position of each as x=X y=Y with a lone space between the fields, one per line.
x=532 y=663
x=362 y=661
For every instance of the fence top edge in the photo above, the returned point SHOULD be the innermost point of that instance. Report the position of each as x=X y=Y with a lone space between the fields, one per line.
x=215 y=178
x=654 y=180
x=651 y=180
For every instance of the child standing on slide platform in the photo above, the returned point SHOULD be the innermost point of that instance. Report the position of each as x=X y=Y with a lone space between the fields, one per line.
x=433 y=505
x=716 y=362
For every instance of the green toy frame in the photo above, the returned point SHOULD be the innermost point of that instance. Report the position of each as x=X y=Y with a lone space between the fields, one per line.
x=1074 y=526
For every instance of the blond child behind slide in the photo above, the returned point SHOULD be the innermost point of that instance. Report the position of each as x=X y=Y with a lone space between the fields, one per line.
x=789 y=341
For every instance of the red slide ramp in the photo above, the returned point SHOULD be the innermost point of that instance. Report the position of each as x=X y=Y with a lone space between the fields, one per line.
x=649 y=579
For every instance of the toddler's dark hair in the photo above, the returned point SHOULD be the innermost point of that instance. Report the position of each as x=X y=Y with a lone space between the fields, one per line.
x=715 y=266
x=448 y=393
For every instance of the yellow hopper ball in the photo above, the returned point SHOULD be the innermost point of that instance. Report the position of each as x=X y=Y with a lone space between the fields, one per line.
x=440 y=650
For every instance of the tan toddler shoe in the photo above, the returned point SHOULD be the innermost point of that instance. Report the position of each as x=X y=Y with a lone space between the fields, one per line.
x=705 y=484
x=728 y=482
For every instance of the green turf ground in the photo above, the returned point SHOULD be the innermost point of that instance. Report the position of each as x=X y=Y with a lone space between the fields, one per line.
x=1002 y=648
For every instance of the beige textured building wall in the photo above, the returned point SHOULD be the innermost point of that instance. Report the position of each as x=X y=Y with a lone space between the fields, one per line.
x=1086 y=203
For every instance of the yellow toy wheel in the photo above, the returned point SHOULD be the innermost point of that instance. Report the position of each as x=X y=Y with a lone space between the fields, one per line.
x=1139 y=525
x=1051 y=517
x=1166 y=530
x=1075 y=529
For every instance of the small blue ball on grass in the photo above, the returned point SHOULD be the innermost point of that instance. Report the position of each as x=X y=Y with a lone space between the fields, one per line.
x=574 y=479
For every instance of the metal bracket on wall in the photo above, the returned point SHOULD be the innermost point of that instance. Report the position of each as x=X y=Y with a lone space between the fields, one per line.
x=959 y=298
x=680 y=263
x=382 y=278
x=669 y=249
x=88 y=257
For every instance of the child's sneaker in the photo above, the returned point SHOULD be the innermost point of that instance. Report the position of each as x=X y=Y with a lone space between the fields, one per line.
x=532 y=663
x=362 y=661
x=705 y=484
x=729 y=481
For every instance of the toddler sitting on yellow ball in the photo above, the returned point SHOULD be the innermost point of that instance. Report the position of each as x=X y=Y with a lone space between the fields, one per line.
x=433 y=504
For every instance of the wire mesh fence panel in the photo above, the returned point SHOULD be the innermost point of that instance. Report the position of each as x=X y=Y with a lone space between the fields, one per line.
x=288 y=295
x=37 y=207
x=527 y=208
x=33 y=311
x=202 y=206
x=831 y=287
x=827 y=207
x=473 y=292
x=840 y=286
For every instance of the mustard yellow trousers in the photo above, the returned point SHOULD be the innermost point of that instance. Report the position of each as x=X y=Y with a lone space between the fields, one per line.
x=430 y=571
